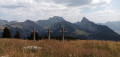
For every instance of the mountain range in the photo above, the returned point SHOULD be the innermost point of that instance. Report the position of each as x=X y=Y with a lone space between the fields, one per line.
x=84 y=30
x=114 y=25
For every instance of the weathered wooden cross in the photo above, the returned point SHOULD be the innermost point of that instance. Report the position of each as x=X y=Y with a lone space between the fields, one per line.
x=49 y=33
x=34 y=36
x=63 y=30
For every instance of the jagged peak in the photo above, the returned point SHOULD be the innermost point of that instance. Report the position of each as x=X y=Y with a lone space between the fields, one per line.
x=78 y=22
x=84 y=19
x=56 y=18
x=29 y=21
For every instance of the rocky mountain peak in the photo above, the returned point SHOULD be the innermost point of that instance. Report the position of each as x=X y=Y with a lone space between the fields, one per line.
x=85 y=20
x=87 y=25
x=56 y=18
x=29 y=21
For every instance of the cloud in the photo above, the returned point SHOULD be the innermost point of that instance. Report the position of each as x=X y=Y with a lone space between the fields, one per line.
x=12 y=6
x=66 y=3
x=73 y=2
x=101 y=1
x=71 y=10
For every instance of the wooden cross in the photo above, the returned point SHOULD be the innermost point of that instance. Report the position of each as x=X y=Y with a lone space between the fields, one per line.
x=63 y=30
x=49 y=33
x=34 y=32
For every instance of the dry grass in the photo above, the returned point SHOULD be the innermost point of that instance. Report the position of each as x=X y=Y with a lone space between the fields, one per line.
x=54 y=48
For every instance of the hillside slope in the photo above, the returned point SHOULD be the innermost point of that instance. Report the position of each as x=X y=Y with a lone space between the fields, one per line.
x=54 y=48
x=99 y=32
x=115 y=25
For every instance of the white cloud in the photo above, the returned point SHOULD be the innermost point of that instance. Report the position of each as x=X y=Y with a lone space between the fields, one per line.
x=43 y=9
x=99 y=1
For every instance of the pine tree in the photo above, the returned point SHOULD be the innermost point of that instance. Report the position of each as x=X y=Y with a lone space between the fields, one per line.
x=17 y=35
x=28 y=37
x=6 y=33
x=37 y=36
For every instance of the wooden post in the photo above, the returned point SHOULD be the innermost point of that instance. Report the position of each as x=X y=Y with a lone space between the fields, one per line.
x=34 y=32
x=49 y=33
x=63 y=30
x=63 y=33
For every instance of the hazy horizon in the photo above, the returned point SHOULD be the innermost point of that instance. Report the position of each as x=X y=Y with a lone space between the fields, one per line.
x=98 y=11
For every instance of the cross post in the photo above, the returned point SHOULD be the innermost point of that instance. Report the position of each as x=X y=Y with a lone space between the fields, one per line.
x=63 y=32
x=49 y=33
x=34 y=32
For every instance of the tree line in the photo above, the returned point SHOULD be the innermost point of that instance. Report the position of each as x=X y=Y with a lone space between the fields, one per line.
x=7 y=33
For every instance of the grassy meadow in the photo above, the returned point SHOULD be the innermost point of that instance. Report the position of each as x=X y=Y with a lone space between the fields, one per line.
x=55 y=48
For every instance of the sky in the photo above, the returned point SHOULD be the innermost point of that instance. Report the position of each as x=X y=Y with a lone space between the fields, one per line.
x=98 y=11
